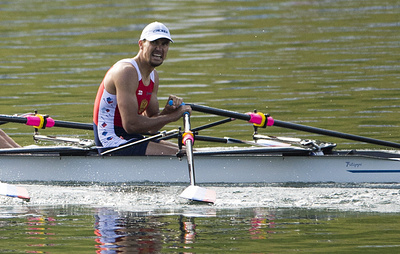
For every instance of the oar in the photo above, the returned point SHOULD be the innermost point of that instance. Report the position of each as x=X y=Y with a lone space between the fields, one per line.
x=154 y=137
x=14 y=191
x=250 y=118
x=193 y=192
x=41 y=122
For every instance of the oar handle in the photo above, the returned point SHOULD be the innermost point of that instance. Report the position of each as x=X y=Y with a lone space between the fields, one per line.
x=171 y=102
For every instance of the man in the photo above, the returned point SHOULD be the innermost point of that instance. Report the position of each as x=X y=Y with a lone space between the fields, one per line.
x=126 y=103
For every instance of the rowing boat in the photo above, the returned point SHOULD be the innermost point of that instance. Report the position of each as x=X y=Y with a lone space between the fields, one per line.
x=213 y=165
x=265 y=159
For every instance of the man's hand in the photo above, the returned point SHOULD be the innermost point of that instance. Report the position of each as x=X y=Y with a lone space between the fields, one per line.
x=175 y=105
x=176 y=102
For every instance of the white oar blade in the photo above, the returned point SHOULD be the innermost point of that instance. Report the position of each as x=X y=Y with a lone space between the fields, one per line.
x=14 y=191
x=197 y=193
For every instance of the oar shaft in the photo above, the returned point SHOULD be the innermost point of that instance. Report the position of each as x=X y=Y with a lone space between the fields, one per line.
x=189 y=148
x=335 y=134
x=193 y=192
x=13 y=119
x=73 y=125
x=33 y=120
x=220 y=112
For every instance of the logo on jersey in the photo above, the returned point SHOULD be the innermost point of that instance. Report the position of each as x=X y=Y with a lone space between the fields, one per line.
x=143 y=106
x=109 y=100
x=140 y=92
x=105 y=110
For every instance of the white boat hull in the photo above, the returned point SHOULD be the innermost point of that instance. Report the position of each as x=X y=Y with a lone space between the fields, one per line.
x=208 y=169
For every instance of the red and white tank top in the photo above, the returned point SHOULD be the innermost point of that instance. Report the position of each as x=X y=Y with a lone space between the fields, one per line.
x=106 y=114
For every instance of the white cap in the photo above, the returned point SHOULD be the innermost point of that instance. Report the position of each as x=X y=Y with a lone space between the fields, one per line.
x=154 y=31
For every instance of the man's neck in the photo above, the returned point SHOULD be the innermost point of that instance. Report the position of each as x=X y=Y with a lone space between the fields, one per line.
x=144 y=67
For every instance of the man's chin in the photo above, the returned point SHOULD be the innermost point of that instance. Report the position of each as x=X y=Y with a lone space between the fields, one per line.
x=156 y=64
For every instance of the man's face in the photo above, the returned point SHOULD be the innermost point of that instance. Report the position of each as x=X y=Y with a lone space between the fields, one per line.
x=155 y=51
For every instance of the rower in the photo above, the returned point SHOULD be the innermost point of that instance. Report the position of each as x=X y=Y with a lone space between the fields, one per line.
x=127 y=105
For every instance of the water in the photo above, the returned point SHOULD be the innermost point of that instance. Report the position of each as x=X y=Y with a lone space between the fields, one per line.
x=275 y=218
x=328 y=64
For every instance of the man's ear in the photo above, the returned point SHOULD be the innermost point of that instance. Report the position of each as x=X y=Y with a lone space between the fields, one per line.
x=140 y=43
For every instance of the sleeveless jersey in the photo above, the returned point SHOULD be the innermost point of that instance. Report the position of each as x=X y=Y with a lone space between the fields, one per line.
x=106 y=116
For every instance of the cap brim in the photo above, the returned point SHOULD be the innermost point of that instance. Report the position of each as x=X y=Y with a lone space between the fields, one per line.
x=156 y=37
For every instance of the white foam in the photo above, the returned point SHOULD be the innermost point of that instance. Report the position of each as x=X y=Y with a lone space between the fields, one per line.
x=151 y=198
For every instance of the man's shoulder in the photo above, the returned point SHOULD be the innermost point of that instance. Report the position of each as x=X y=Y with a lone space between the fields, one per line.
x=124 y=68
x=123 y=65
x=122 y=75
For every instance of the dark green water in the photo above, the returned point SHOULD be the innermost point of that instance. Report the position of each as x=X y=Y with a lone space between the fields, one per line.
x=332 y=64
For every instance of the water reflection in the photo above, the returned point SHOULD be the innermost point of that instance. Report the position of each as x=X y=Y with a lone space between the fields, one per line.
x=127 y=232
x=39 y=230
x=262 y=224
x=188 y=229
x=40 y=225
x=142 y=232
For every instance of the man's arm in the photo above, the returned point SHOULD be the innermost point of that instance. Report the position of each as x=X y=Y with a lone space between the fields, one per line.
x=125 y=80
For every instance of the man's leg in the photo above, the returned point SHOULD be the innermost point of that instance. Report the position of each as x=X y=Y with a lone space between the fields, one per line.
x=162 y=148
x=6 y=141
